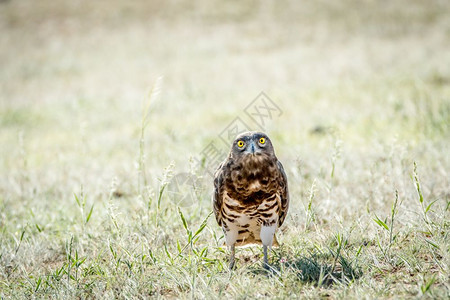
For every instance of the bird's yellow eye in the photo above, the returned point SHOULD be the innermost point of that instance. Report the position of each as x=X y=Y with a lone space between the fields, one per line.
x=262 y=141
x=240 y=144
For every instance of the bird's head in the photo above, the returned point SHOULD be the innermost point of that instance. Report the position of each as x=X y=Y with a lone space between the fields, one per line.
x=252 y=143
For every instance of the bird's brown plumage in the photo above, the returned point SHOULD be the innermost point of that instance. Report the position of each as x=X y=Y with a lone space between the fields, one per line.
x=251 y=191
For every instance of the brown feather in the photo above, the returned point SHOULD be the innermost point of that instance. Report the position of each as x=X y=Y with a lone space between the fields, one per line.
x=250 y=187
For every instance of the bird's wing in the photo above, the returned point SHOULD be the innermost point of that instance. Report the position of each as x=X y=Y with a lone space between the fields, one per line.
x=218 y=193
x=284 y=194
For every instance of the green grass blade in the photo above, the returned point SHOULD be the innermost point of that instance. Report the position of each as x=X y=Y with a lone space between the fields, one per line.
x=90 y=214
x=381 y=223
x=183 y=219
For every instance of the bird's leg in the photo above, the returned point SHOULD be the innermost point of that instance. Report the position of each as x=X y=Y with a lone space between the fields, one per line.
x=266 y=234
x=266 y=263
x=232 y=257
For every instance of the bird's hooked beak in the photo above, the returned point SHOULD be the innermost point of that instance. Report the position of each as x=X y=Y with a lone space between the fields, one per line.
x=252 y=148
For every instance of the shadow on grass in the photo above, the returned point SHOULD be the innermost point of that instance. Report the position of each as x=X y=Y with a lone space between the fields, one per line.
x=316 y=270
x=321 y=273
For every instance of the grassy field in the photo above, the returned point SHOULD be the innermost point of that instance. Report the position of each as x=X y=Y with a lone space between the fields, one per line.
x=107 y=108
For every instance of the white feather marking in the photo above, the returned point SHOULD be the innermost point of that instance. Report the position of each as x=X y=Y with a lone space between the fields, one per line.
x=266 y=204
x=229 y=200
x=267 y=233
x=231 y=235
x=254 y=186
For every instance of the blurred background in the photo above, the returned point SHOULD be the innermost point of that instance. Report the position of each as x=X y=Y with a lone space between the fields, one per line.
x=351 y=77
x=113 y=100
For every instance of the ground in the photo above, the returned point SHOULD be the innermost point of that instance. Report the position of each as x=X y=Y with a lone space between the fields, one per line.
x=109 y=109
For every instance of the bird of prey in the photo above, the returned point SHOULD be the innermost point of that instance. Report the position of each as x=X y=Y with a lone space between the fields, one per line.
x=251 y=196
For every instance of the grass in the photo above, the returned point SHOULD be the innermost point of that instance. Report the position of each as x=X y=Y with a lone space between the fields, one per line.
x=91 y=167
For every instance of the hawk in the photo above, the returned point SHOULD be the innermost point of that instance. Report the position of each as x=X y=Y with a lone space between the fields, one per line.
x=251 y=196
